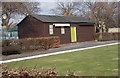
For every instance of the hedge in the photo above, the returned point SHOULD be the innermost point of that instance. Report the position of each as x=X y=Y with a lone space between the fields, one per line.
x=107 y=36
x=31 y=44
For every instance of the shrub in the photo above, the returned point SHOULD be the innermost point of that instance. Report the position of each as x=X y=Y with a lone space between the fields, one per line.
x=32 y=44
x=108 y=36
x=31 y=73
x=8 y=50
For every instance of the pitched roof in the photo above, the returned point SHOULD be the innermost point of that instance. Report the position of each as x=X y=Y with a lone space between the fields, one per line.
x=62 y=19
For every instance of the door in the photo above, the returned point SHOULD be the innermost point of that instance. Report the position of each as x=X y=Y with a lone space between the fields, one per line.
x=73 y=34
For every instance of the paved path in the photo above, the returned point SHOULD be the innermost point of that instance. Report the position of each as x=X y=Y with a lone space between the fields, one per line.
x=63 y=47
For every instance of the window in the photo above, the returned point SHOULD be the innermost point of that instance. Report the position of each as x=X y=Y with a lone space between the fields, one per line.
x=62 y=30
x=51 y=29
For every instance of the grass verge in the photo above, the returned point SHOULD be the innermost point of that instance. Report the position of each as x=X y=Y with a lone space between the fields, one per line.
x=101 y=61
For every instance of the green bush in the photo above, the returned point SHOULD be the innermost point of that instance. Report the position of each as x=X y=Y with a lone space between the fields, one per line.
x=32 y=44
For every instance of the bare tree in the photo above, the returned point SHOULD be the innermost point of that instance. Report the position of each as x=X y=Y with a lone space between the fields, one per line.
x=12 y=8
x=67 y=8
x=103 y=13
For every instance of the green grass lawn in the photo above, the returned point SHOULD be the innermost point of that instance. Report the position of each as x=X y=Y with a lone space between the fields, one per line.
x=94 y=62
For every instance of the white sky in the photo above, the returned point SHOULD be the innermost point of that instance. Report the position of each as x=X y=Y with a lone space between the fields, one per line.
x=46 y=7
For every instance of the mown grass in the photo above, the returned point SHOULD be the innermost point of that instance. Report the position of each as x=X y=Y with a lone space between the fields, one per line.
x=93 y=62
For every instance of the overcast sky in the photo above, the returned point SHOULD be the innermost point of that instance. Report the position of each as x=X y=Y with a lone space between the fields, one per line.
x=46 y=7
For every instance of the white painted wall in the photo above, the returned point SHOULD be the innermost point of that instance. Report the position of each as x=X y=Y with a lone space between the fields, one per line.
x=114 y=30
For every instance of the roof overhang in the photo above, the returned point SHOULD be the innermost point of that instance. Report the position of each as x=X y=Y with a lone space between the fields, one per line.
x=61 y=25
x=86 y=24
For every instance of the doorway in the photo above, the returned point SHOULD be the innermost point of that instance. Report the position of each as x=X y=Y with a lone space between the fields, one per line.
x=73 y=34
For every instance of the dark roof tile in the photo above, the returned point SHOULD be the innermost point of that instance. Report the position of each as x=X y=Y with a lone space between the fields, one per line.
x=57 y=19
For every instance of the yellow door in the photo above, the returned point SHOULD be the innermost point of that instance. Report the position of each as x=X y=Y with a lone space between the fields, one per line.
x=73 y=34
